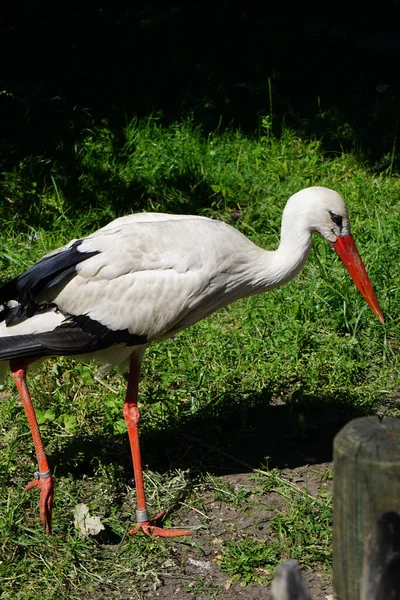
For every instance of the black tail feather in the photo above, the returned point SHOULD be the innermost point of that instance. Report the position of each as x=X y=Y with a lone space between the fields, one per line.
x=59 y=342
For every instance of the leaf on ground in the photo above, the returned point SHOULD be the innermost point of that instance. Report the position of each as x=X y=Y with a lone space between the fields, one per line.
x=85 y=523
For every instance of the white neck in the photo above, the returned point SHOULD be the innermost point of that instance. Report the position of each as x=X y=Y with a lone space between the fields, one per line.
x=282 y=265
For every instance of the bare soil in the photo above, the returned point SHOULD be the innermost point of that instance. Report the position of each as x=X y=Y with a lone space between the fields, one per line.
x=195 y=573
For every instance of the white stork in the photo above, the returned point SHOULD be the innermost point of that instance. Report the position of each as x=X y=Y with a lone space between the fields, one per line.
x=143 y=278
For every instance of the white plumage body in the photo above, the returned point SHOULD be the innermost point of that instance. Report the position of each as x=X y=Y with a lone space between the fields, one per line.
x=159 y=275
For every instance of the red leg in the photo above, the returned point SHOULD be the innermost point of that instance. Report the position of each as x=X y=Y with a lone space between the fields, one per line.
x=44 y=479
x=132 y=417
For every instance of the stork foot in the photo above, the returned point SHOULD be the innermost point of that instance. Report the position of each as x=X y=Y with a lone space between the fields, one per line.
x=151 y=529
x=46 y=486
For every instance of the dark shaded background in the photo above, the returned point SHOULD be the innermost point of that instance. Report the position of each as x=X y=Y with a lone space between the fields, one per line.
x=64 y=64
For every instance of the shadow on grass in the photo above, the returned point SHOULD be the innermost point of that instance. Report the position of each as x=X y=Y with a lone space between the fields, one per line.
x=108 y=193
x=229 y=437
x=184 y=192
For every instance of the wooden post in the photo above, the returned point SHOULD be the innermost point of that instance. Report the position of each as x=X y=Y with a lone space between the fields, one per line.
x=366 y=485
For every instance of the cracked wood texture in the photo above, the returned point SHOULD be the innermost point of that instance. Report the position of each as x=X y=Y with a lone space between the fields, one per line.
x=366 y=485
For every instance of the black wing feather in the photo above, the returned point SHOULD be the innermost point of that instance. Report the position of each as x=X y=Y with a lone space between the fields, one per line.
x=43 y=275
x=76 y=335
x=59 y=342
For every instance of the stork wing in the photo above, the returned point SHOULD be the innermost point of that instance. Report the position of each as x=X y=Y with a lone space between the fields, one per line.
x=138 y=279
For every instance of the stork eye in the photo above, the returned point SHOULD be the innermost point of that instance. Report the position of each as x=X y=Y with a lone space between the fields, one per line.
x=337 y=219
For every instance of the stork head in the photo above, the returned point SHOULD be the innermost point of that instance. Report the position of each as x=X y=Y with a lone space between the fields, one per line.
x=324 y=211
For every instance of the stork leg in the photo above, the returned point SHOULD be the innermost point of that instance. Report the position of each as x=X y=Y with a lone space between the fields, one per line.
x=43 y=478
x=132 y=417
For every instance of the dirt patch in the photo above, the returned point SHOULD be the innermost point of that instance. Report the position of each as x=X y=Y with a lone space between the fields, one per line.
x=195 y=573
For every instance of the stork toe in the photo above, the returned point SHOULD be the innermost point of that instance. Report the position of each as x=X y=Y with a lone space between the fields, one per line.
x=46 y=487
x=151 y=529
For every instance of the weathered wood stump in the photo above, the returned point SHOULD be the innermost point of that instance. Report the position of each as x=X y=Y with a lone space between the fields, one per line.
x=366 y=485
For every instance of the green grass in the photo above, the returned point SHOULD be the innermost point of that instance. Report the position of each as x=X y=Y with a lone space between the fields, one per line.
x=302 y=530
x=211 y=397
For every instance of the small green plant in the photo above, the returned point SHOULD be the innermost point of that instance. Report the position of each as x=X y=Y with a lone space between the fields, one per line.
x=208 y=590
x=249 y=560
x=301 y=530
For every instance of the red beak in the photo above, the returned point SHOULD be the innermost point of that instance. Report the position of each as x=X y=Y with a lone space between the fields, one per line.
x=347 y=250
